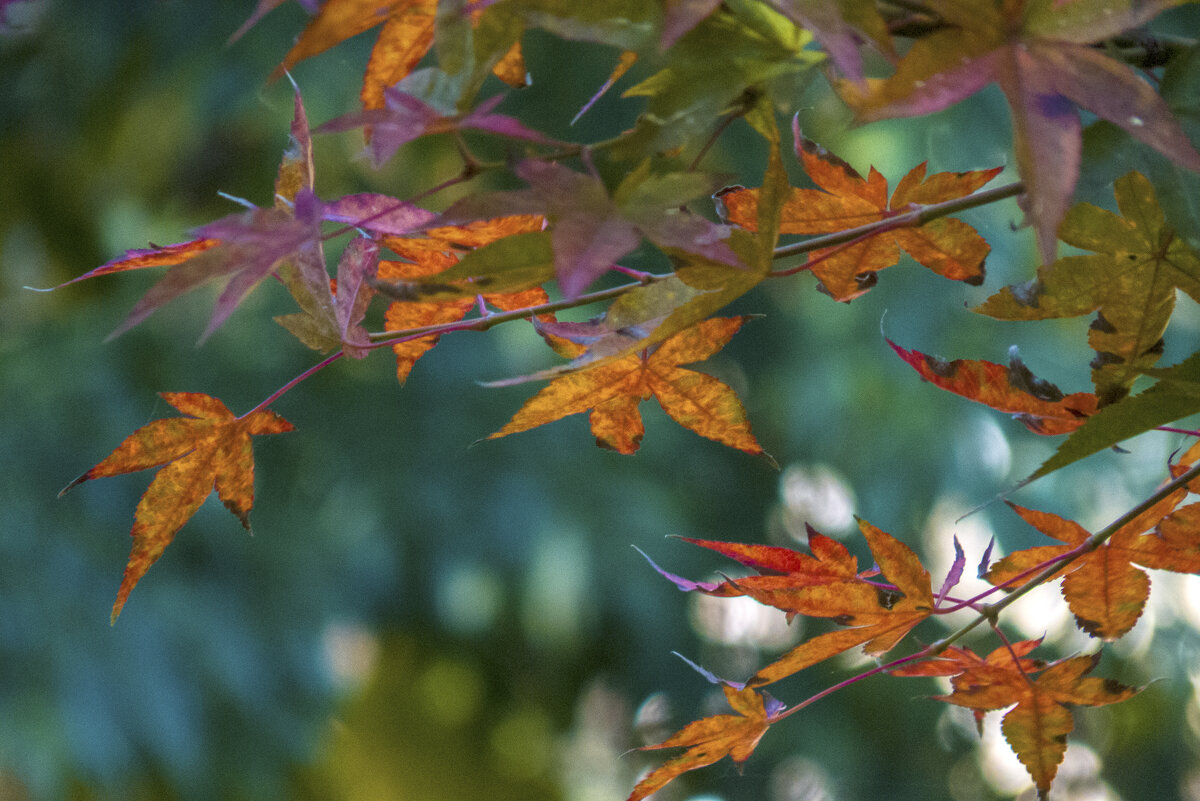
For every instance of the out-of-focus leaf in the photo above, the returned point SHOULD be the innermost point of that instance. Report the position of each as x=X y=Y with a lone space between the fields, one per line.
x=839 y=26
x=592 y=229
x=406 y=117
x=717 y=68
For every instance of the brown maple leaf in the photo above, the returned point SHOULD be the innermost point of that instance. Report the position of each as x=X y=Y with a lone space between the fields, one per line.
x=712 y=739
x=407 y=35
x=612 y=391
x=846 y=200
x=210 y=448
x=1103 y=589
x=1036 y=728
x=425 y=258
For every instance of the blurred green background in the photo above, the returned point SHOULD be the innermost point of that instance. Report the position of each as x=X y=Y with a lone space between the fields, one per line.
x=416 y=618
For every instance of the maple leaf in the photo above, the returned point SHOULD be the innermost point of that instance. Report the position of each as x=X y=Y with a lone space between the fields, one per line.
x=1037 y=403
x=591 y=229
x=207 y=449
x=711 y=739
x=879 y=617
x=612 y=391
x=406 y=117
x=1103 y=589
x=838 y=27
x=1137 y=263
x=1175 y=396
x=779 y=568
x=429 y=260
x=406 y=37
x=948 y=246
x=1037 y=726
x=1038 y=52
x=719 y=67
x=154 y=256
x=243 y=249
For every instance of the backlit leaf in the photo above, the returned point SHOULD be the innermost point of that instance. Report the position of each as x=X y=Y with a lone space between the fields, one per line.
x=1036 y=728
x=206 y=450
x=612 y=391
x=1130 y=280
x=878 y=618
x=1040 y=405
x=845 y=200
x=1103 y=589
x=712 y=739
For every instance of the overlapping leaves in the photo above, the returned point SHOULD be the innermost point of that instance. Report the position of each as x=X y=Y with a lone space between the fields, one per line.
x=1130 y=279
x=846 y=200
x=1037 y=725
x=1039 y=53
x=1102 y=587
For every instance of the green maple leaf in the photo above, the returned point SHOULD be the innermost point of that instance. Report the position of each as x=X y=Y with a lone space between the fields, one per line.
x=1175 y=396
x=1137 y=263
x=1039 y=53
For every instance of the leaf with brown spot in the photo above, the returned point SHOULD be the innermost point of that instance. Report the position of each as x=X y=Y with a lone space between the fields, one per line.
x=1014 y=390
x=1036 y=728
x=1103 y=589
x=879 y=618
x=1130 y=278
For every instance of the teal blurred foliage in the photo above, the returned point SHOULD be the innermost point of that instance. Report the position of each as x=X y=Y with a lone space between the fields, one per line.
x=492 y=587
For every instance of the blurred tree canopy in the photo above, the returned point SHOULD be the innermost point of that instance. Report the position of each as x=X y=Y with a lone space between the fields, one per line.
x=418 y=618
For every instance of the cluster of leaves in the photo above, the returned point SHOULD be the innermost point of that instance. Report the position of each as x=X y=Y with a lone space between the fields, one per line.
x=878 y=607
x=527 y=254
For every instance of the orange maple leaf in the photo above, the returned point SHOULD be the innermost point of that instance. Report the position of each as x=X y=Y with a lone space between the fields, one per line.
x=437 y=252
x=210 y=448
x=779 y=568
x=1036 y=728
x=948 y=246
x=154 y=256
x=1103 y=589
x=712 y=739
x=879 y=616
x=612 y=391
x=406 y=37
x=1037 y=403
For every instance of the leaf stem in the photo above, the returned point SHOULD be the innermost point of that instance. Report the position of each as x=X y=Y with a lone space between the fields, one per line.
x=484 y=323
x=316 y=368
x=992 y=611
x=916 y=217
